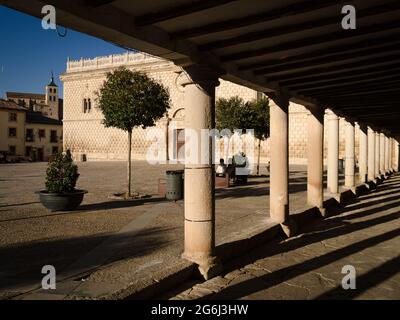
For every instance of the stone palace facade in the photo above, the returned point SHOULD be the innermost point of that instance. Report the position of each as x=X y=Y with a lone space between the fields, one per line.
x=87 y=138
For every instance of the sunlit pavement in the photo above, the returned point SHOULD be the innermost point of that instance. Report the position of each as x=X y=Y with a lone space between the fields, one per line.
x=364 y=235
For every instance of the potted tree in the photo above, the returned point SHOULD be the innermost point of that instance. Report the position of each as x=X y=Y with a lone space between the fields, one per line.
x=61 y=177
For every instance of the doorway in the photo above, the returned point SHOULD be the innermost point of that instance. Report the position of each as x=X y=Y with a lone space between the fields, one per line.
x=179 y=145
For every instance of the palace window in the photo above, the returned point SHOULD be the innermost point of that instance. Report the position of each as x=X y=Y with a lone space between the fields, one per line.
x=87 y=105
x=12 y=117
x=12 y=132
x=54 y=150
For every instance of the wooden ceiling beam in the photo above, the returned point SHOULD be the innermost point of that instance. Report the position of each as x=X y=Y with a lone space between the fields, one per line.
x=328 y=60
x=299 y=27
x=97 y=3
x=331 y=51
x=351 y=79
x=279 y=13
x=311 y=41
x=368 y=62
x=384 y=67
x=357 y=93
x=178 y=11
x=351 y=84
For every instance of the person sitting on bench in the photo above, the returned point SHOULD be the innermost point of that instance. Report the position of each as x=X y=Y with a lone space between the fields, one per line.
x=221 y=168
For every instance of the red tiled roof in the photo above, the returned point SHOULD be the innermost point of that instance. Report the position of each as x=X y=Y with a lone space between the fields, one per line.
x=24 y=95
x=4 y=104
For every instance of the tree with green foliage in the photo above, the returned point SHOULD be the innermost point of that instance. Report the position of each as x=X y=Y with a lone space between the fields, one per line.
x=234 y=113
x=130 y=99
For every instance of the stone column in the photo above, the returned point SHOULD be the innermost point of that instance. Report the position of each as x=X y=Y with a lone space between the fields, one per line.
x=363 y=141
x=371 y=155
x=390 y=155
x=396 y=156
x=279 y=165
x=166 y=132
x=333 y=152
x=315 y=156
x=349 y=175
x=199 y=200
x=386 y=155
x=382 y=154
x=377 y=151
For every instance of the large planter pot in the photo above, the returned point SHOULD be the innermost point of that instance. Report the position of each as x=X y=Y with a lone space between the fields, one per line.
x=61 y=201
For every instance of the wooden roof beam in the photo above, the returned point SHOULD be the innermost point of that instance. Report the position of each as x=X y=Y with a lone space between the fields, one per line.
x=229 y=24
x=179 y=11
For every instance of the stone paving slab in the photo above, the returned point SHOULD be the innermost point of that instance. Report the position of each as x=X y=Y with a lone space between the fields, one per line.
x=364 y=234
x=111 y=242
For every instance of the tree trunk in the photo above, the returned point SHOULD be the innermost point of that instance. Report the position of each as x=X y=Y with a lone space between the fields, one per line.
x=258 y=157
x=129 y=162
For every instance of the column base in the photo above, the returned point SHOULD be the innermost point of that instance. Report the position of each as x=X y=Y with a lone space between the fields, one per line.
x=323 y=211
x=371 y=185
x=334 y=195
x=209 y=267
x=352 y=189
x=379 y=179
x=289 y=228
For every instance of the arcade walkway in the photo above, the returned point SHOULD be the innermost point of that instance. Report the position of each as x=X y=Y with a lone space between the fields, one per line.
x=365 y=234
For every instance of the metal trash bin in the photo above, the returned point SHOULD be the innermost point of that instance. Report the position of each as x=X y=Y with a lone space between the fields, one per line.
x=174 y=185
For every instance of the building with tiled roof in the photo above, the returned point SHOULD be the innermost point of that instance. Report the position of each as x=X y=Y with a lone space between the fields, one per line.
x=27 y=134
x=48 y=104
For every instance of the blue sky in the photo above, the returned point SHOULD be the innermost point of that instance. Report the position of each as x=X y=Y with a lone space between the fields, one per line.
x=28 y=53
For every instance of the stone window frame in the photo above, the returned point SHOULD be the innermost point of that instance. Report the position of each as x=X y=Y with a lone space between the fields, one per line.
x=9 y=131
x=31 y=136
x=53 y=136
x=11 y=116
x=84 y=105
x=87 y=105
x=42 y=135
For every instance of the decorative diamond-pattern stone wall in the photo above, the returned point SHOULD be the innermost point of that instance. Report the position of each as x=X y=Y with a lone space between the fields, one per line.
x=84 y=133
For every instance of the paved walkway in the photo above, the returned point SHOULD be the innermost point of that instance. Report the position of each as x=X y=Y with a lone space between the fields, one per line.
x=108 y=244
x=364 y=234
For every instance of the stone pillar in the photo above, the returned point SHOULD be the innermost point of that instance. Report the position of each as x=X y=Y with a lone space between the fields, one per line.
x=390 y=155
x=199 y=200
x=279 y=163
x=333 y=152
x=396 y=156
x=371 y=155
x=386 y=155
x=382 y=154
x=315 y=156
x=363 y=141
x=166 y=132
x=349 y=175
x=377 y=151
